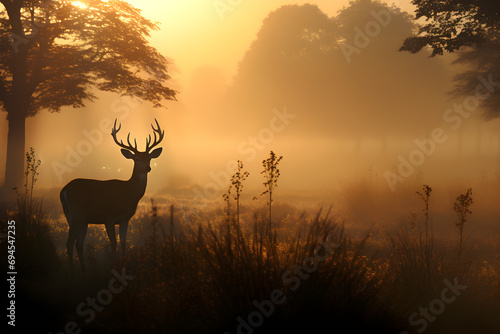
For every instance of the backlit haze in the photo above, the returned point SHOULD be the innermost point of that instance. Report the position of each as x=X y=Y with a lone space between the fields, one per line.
x=352 y=118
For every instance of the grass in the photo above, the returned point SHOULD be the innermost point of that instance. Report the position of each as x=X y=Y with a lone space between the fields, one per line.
x=215 y=272
x=199 y=272
x=36 y=254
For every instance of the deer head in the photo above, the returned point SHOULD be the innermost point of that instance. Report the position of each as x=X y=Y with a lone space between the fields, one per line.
x=141 y=160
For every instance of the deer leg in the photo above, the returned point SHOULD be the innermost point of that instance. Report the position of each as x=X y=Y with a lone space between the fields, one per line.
x=123 y=235
x=80 y=238
x=69 y=247
x=110 y=228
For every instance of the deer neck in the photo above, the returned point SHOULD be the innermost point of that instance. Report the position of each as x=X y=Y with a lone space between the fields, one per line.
x=138 y=182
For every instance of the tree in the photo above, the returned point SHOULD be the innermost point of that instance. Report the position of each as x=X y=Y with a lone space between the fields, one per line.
x=320 y=67
x=58 y=53
x=472 y=28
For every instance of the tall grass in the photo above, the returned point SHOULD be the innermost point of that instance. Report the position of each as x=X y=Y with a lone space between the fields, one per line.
x=213 y=274
x=417 y=267
x=36 y=255
x=419 y=263
x=200 y=273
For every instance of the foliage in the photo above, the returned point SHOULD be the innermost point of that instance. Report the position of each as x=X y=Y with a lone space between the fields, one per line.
x=201 y=275
x=453 y=24
x=461 y=207
x=236 y=182
x=473 y=29
x=219 y=270
x=62 y=50
x=271 y=174
x=425 y=198
x=300 y=44
x=36 y=255
x=58 y=53
x=31 y=168
x=204 y=274
x=416 y=268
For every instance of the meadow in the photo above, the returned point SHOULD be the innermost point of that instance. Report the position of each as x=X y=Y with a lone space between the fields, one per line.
x=359 y=260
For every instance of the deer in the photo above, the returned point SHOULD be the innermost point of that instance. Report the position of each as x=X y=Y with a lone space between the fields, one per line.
x=110 y=202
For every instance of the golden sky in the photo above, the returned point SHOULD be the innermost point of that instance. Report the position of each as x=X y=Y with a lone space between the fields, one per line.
x=205 y=39
x=197 y=33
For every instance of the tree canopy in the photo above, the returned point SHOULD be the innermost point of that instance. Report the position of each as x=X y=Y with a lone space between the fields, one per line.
x=70 y=48
x=453 y=24
x=471 y=29
x=55 y=54
x=301 y=58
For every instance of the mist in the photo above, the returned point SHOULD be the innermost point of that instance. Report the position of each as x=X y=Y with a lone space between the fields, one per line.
x=278 y=166
x=323 y=86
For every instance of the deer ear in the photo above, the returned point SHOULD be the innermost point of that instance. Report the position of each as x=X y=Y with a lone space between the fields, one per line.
x=156 y=153
x=127 y=154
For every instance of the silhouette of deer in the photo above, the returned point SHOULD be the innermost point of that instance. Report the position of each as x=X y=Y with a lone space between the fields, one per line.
x=111 y=202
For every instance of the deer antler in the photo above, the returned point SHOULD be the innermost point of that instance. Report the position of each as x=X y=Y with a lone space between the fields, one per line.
x=120 y=143
x=156 y=140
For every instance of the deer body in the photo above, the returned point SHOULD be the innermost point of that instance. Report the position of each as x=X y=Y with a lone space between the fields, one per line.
x=111 y=202
x=108 y=210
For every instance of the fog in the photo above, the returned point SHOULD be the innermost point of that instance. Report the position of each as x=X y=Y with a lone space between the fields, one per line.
x=297 y=80
x=379 y=195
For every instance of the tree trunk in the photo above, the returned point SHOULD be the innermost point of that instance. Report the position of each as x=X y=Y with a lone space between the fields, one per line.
x=17 y=106
x=16 y=115
x=14 y=170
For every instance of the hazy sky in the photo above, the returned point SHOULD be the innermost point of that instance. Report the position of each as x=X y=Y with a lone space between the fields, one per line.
x=196 y=33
